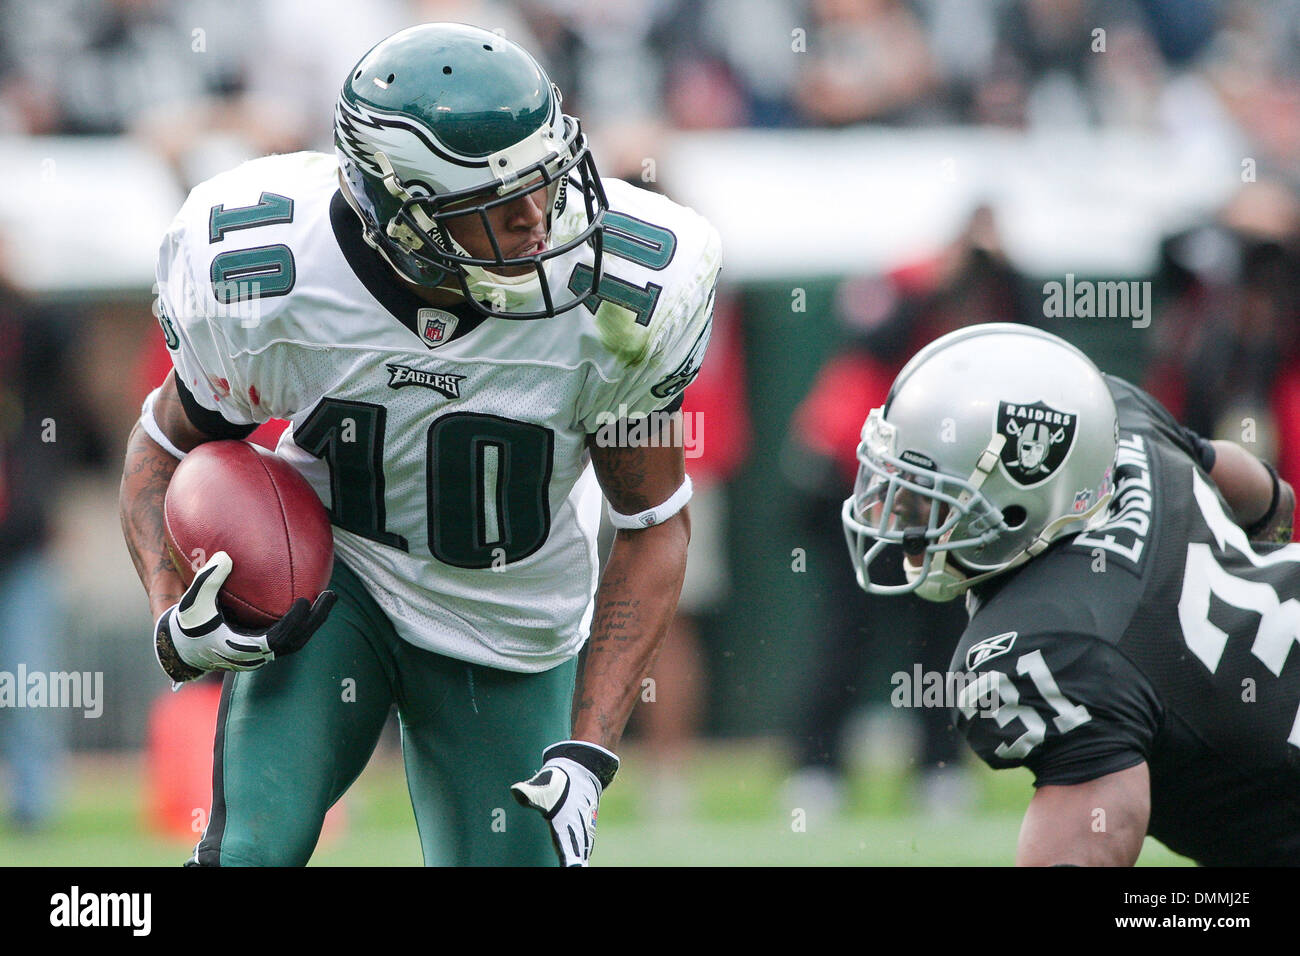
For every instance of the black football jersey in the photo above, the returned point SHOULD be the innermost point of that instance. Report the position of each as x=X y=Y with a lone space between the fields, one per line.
x=1162 y=636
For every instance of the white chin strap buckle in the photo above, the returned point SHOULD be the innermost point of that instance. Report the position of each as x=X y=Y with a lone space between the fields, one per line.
x=942 y=583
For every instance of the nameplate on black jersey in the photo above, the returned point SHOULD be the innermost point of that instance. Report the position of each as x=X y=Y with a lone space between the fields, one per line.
x=1128 y=522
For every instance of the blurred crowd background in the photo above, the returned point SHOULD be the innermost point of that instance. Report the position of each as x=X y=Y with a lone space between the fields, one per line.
x=111 y=109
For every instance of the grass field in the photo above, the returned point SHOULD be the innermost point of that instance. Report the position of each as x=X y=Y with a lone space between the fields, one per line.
x=735 y=819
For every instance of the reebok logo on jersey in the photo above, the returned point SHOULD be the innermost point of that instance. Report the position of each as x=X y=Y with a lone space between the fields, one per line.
x=989 y=648
x=442 y=382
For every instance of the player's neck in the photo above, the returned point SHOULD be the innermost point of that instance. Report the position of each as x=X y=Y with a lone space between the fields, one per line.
x=441 y=296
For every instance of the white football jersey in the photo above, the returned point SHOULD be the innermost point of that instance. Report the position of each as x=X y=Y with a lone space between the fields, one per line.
x=449 y=448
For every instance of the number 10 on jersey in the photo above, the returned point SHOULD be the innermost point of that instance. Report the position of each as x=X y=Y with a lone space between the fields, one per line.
x=487 y=480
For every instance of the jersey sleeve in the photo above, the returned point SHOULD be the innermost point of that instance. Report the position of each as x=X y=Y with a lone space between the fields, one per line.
x=1139 y=411
x=1069 y=707
x=206 y=366
x=680 y=337
x=225 y=353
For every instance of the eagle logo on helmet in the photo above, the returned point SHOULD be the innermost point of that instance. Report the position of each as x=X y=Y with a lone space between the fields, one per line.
x=1039 y=439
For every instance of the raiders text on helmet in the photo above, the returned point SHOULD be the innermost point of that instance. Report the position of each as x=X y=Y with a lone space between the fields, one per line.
x=995 y=441
x=444 y=121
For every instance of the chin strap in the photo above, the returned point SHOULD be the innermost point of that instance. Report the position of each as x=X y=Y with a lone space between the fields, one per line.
x=397 y=231
x=395 y=188
x=946 y=581
x=1051 y=532
x=953 y=586
x=481 y=282
x=949 y=585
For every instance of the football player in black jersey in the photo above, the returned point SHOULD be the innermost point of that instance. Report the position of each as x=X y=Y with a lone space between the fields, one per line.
x=1132 y=607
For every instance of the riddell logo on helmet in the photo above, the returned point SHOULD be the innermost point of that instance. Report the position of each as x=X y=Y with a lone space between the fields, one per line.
x=1039 y=439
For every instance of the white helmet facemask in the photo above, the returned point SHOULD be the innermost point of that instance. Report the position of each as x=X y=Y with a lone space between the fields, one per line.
x=907 y=501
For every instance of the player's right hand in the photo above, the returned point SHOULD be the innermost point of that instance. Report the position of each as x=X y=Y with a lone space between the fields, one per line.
x=566 y=791
x=193 y=636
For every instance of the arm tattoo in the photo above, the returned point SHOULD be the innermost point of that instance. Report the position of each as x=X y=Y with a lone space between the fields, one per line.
x=623 y=478
x=613 y=626
x=615 y=620
x=144 y=487
x=634 y=604
x=638 y=589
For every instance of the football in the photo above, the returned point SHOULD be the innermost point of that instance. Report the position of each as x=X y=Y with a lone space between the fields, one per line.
x=242 y=499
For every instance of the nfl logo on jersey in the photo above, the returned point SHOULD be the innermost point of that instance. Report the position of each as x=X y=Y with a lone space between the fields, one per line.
x=436 y=326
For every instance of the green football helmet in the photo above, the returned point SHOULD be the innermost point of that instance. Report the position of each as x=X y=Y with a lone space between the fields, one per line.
x=444 y=121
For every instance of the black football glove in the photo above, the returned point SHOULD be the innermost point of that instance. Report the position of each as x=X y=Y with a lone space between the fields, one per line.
x=194 y=637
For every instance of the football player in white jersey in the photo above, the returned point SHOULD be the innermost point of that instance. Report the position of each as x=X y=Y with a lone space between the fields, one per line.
x=472 y=337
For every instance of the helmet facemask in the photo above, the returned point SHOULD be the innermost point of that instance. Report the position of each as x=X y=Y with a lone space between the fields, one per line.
x=906 y=501
x=417 y=241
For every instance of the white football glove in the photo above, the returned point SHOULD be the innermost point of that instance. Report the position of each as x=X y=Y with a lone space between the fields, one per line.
x=193 y=636
x=567 y=791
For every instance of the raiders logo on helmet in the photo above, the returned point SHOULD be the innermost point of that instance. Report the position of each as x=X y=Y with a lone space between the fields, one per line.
x=1039 y=439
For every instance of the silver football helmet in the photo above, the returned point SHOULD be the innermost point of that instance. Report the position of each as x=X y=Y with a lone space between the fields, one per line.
x=995 y=441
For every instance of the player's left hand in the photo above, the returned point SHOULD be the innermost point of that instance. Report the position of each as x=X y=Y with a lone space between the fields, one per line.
x=567 y=791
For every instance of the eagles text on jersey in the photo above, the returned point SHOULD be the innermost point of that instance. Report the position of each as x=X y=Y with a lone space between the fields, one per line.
x=1163 y=637
x=449 y=448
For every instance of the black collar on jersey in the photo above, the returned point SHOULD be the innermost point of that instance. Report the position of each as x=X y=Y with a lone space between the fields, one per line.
x=380 y=280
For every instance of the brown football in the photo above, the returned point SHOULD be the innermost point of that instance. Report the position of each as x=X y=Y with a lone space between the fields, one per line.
x=240 y=498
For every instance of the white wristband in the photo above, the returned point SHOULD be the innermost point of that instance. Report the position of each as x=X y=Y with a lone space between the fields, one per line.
x=150 y=426
x=652 y=516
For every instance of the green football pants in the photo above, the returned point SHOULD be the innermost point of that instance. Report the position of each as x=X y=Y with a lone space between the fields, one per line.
x=294 y=735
